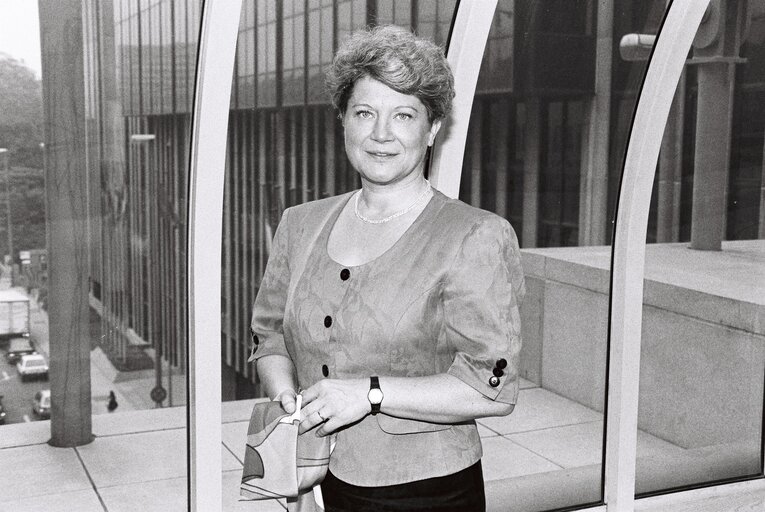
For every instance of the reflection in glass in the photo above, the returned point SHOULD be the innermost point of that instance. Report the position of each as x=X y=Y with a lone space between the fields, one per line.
x=703 y=358
x=141 y=202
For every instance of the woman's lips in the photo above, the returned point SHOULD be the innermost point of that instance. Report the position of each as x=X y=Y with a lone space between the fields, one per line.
x=381 y=154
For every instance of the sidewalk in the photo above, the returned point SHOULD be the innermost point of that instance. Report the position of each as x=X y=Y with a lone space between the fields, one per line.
x=131 y=389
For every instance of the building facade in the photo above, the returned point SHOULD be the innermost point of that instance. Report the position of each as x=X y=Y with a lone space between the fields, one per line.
x=548 y=126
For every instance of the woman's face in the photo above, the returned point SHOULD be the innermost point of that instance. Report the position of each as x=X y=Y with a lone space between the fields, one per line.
x=386 y=133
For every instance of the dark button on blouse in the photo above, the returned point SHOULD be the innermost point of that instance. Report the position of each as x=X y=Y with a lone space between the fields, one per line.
x=497 y=372
x=501 y=364
x=345 y=274
x=325 y=370
x=327 y=321
x=493 y=381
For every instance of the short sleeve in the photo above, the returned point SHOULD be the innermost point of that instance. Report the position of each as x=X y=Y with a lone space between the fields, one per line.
x=480 y=299
x=268 y=311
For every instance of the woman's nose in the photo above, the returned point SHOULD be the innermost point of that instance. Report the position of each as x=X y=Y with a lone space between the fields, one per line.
x=381 y=132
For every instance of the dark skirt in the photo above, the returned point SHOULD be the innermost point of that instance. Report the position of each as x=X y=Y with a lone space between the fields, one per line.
x=459 y=492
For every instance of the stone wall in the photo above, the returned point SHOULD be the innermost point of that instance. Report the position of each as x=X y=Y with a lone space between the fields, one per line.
x=703 y=349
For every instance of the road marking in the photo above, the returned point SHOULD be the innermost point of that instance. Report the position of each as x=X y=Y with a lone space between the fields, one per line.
x=26 y=418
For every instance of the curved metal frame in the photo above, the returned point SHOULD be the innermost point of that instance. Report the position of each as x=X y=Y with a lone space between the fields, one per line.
x=628 y=262
x=209 y=131
x=466 y=46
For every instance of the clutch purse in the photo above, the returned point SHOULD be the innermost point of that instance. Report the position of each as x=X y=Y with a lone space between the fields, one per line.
x=279 y=462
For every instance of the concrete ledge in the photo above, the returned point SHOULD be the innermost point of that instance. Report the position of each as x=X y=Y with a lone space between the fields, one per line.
x=739 y=496
x=24 y=434
x=697 y=466
x=545 y=491
x=133 y=422
x=703 y=347
x=581 y=485
x=725 y=287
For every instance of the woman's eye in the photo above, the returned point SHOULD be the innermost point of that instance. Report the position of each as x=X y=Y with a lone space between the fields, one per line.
x=364 y=114
x=404 y=116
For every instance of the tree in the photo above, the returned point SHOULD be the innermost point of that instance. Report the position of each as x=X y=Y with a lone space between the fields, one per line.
x=21 y=116
x=21 y=131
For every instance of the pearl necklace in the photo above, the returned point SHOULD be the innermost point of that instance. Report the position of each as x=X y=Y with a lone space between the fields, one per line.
x=397 y=214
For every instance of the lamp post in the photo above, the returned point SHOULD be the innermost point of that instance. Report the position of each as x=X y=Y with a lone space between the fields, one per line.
x=159 y=393
x=7 y=173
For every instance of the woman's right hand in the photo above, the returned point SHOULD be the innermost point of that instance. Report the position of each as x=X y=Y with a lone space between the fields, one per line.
x=287 y=400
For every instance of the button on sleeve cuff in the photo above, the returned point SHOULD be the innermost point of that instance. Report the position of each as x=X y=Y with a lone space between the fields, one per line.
x=479 y=375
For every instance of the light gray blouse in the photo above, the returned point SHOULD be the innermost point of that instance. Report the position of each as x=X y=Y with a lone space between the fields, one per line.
x=443 y=299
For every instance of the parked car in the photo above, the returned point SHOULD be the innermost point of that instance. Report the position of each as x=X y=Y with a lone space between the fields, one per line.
x=18 y=347
x=2 y=411
x=41 y=404
x=32 y=365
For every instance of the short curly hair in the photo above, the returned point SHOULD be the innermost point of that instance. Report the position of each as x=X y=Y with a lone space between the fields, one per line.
x=396 y=57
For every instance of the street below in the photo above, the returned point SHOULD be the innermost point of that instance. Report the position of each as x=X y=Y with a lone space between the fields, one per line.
x=18 y=395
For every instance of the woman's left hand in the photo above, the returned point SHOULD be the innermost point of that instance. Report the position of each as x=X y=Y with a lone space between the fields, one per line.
x=335 y=403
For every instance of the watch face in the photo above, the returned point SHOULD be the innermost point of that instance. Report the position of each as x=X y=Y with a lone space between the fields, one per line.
x=375 y=396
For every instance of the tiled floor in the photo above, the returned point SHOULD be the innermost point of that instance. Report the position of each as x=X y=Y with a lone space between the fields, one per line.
x=138 y=459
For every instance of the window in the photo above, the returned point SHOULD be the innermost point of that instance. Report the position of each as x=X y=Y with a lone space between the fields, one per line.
x=532 y=126
x=105 y=168
x=702 y=360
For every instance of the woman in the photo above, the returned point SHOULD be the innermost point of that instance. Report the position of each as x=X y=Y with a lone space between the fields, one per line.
x=393 y=308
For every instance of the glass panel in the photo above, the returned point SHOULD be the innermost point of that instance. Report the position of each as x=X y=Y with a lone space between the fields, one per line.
x=395 y=12
x=703 y=350
x=266 y=61
x=244 y=75
x=434 y=20
x=294 y=55
x=95 y=134
x=544 y=151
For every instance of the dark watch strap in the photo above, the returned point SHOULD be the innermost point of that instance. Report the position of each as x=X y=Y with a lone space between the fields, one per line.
x=374 y=383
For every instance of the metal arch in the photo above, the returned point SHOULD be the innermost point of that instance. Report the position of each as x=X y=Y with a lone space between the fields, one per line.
x=466 y=46
x=209 y=131
x=665 y=67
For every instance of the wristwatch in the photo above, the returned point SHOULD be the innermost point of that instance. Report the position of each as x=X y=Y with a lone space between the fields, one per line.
x=375 y=394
